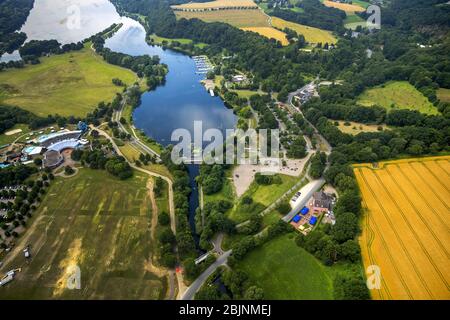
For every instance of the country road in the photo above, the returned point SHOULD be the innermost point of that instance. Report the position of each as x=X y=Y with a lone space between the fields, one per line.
x=196 y=285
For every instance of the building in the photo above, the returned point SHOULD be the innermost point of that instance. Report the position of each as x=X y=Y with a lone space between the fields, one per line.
x=52 y=159
x=52 y=138
x=32 y=152
x=322 y=201
x=238 y=78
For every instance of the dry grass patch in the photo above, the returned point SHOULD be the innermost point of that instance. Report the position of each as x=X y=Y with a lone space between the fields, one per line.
x=354 y=128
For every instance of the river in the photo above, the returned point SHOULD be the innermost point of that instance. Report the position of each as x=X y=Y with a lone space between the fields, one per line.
x=177 y=104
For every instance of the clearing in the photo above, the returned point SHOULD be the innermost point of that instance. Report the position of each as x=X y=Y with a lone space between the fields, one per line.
x=397 y=95
x=98 y=223
x=311 y=34
x=68 y=84
x=405 y=226
x=287 y=272
x=355 y=127
x=443 y=94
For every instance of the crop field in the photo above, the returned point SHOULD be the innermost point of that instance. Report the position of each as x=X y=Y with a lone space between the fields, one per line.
x=311 y=34
x=237 y=18
x=406 y=226
x=96 y=222
x=68 y=84
x=270 y=33
x=287 y=272
x=397 y=95
x=215 y=4
x=344 y=6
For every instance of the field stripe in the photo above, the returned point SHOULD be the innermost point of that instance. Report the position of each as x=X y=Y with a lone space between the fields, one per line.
x=434 y=175
x=382 y=187
x=438 y=163
x=419 y=168
x=412 y=229
x=383 y=242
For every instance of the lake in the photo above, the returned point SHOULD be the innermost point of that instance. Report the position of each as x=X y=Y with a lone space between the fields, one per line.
x=177 y=104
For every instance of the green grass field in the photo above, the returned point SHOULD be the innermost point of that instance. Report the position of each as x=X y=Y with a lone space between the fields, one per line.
x=397 y=95
x=159 y=40
x=97 y=222
x=68 y=84
x=262 y=195
x=11 y=136
x=286 y=271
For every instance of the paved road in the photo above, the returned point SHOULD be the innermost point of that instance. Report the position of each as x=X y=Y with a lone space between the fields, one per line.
x=196 y=285
x=307 y=192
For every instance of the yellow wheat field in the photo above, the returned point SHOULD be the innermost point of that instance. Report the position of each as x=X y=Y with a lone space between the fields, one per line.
x=237 y=18
x=216 y=5
x=311 y=34
x=344 y=6
x=270 y=32
x=406 y=226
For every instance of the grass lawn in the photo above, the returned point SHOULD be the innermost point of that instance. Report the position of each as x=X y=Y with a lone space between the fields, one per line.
x=159 y=40
x=443 y=94
x=287 y=272
x=311 y=34
x=96 y=222
x=397 y=95
x=352 y=21
x=12 y=133
x=262 y=197
x=68 y=84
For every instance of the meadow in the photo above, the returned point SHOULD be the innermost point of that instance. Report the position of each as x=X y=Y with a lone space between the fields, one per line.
x=262 y=196
x=69 y=84
x=443 y=94
x=354 y=128
x=405 y=226
x=397 y=95
x=96 y=222
x=287 y=272
x=311 y=34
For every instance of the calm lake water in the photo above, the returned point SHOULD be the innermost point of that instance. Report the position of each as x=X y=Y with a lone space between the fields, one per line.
x=177 y=104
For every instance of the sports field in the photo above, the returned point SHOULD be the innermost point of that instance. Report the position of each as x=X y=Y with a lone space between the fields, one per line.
x=98 y=223
x=397 y=95
x=237 y=18
x=68 y=84
x=270 y=33
x=287 y=272
x=406 y=226
x=311 y=34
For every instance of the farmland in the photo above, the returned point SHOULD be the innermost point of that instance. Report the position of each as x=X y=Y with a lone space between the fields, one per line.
x=270 y=33
x=98 y=223
x=286 y=271
x=67 y=84
x=348 y=8
x=223 y=4
x=405 y=226
x=311 y=34
x=237 y=18
x=397 y=95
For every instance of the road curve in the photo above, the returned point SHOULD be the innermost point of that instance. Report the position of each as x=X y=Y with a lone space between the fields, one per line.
x=197 y=284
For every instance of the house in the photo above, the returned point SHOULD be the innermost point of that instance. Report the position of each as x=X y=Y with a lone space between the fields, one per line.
x=238 y=78
x=322 y=201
